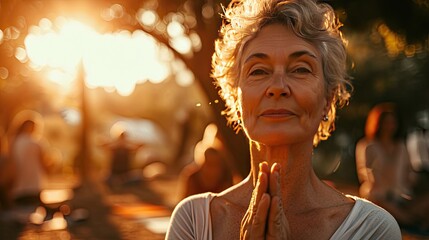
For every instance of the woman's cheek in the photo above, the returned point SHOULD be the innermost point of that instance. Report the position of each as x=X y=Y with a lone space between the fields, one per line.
x=248 y=107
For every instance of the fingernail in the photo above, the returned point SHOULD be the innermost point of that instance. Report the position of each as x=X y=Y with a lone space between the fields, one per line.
x=265 y=196
x=277 y=167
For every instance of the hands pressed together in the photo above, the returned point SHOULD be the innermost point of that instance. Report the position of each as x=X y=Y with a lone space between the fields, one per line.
x=265 y=218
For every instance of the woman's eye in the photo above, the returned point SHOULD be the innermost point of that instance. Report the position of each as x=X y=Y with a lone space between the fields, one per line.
x=257 y=72
x=301 y=70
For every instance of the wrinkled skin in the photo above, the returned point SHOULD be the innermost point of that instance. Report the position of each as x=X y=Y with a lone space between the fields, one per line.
x=265 y=217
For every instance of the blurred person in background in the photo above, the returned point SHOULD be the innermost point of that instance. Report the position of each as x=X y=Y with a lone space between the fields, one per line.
x=384 y=169
x=281 y=68
x=382 y=159
x=121 y=157
x=209 y=173
x=28 y=153
x=418 y=149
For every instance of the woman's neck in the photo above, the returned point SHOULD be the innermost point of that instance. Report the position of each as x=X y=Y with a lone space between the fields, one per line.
x=299 y=183
x=301 y=189
x=295 y=161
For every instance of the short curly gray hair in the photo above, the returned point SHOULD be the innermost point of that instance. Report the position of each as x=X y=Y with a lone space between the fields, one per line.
x=315 y=22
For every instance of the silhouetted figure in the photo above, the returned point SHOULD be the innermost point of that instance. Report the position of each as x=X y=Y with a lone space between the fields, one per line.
x=121 y=160
x=28 y=155
x=208 y=174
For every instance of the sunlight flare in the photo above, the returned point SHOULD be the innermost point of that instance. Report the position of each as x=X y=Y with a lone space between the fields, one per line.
x=118 y=60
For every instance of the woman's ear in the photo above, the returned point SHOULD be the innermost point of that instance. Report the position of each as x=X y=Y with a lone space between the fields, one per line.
x=329 y=99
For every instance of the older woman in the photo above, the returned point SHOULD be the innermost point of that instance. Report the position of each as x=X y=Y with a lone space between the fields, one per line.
x=281 y=69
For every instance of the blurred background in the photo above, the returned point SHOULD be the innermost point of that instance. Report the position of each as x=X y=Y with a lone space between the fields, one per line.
x=88 y=71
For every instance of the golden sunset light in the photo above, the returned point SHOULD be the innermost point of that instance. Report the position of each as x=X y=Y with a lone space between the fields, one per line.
x=118 y=60
x=119 y=119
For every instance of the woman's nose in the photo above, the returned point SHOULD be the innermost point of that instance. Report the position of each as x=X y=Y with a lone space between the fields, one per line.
x=278 y=88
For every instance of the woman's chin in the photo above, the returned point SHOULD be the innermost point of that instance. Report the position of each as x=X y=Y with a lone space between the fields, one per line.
x=279 y=139
x=272 y=140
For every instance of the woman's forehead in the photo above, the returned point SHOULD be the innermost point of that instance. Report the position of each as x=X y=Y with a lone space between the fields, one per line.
x=277 y=39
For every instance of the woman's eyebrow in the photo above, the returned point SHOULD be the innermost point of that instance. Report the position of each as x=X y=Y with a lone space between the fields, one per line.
x=256 y=55
x=294 y=55
x=301 y=53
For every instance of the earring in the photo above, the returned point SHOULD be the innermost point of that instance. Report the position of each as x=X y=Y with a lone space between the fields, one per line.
x=325 y=118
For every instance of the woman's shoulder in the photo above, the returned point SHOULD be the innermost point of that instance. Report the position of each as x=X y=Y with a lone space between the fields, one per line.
x=372 y=212
x=195 y=205
x=367 y=219
x=369 y=210
x=198 y=201
x=190 y=218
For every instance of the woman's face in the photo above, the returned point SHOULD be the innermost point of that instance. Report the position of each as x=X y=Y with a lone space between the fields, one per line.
x=389 y=125
x=281 y=90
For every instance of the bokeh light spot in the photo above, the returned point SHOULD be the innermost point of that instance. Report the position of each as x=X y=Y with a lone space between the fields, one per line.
x=11 y=33
x=182 y=44
x=175 y=29
x=148 y=17
x=185 y=78
x=21 y=54
x=4 y=73
x=208 y=11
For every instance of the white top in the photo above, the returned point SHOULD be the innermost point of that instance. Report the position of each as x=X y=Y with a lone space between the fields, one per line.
x=191 y=220
x=31 y=176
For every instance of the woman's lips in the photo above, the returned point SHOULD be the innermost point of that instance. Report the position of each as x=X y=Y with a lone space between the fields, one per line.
x=276 y=113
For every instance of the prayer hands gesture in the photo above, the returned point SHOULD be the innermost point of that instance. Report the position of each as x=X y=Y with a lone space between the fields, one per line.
x=265 y=218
